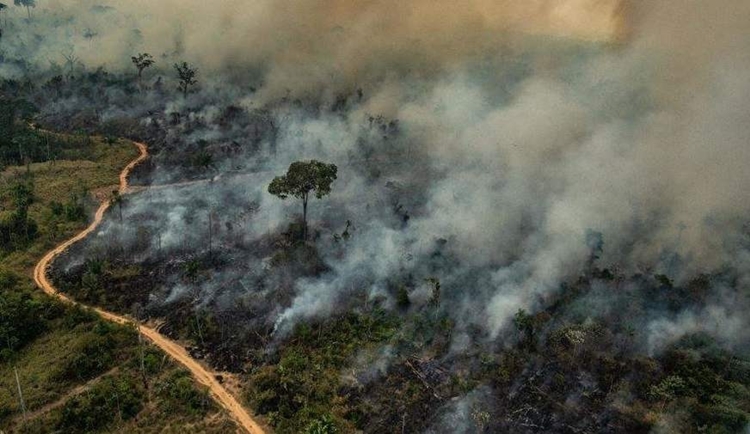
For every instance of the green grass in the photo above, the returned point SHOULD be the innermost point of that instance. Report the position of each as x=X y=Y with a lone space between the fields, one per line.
x=300 y=390
x=69 y=371
x=38 y=365
x=57 y=181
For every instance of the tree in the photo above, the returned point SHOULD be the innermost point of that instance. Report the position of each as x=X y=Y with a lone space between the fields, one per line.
x=402 y=298
x=27 y=3
x=324 y=425
x=8 y=116
x=526 y=324
x=303 y=178
x=70 y=61
x=435 y=299
x=187 y=75
x=118 y=200
x=481 y=418
x=23 y=195
x=17 y=228
x=141 y=62
x=3 y=8
x=203 y=160
x=595 y=243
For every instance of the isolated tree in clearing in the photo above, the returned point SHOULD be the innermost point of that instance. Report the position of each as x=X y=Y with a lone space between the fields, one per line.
x=303 y=178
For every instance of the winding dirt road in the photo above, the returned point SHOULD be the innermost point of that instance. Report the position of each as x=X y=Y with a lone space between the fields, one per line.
x=176 y=351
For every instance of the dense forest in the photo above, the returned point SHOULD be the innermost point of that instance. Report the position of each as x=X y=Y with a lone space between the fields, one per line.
x=382 y=218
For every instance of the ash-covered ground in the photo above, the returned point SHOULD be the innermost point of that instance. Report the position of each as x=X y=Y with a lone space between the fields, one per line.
x=536 y=226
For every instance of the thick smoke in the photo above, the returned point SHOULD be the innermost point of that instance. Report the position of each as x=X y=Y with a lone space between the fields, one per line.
x=306 y=46
x=522 y=127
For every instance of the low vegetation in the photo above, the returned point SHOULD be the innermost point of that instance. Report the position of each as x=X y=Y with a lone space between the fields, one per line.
x=76 y=372
x=394 y=307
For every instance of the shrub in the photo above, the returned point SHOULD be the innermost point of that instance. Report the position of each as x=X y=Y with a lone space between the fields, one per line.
x=21 y=320
x=324 y=425
x=402 y=298
x=180 y=394
x=95 y=409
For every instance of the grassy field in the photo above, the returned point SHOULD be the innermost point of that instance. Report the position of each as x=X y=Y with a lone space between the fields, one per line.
x=78 y=373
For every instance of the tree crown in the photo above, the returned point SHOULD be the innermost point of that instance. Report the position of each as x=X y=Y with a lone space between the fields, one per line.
x=142 y=60
x=186 y=73
x=304 y=177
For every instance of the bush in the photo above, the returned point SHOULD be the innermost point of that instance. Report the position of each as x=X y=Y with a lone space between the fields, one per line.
x=98 y=351
x=17 y=230
x=324 y=425
x=94 y=356
x=77 y=315
x=8 y=280
x=153 y=361
x=668 y=389
x=181 y=395
x=402 y=298
x=21 y=320
x=301 y=389
x=95 y=409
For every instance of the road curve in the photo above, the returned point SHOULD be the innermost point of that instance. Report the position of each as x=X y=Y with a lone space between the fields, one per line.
x=176 y=351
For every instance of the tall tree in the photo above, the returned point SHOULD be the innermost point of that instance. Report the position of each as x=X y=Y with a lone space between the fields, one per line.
x=141 y=62
x=303 y=178
x=7 y=120
x=117 y=199
x=186 y=74
x=23 y=196
x=27 y=3
x=3 y=8
x=70 y=61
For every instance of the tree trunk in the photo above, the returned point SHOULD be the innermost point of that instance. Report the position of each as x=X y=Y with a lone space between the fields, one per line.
x=20 y=393
x=28 y=11
x=143 y=364
x=200 y=332
x=304 y=218
x=210 y=232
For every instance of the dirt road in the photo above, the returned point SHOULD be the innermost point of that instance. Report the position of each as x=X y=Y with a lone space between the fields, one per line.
x=177 y=352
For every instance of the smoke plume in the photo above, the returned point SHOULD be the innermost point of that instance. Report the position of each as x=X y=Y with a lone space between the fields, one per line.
x=488 y=138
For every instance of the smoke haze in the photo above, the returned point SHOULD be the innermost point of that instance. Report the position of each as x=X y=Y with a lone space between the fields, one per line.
x=526 y=124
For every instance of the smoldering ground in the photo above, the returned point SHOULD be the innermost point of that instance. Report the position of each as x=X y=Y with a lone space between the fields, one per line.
x=507 y=148
x=477 y=145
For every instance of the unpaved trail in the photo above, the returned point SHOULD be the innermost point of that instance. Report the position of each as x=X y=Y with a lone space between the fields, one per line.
x=59 y=402
x=173 y=349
